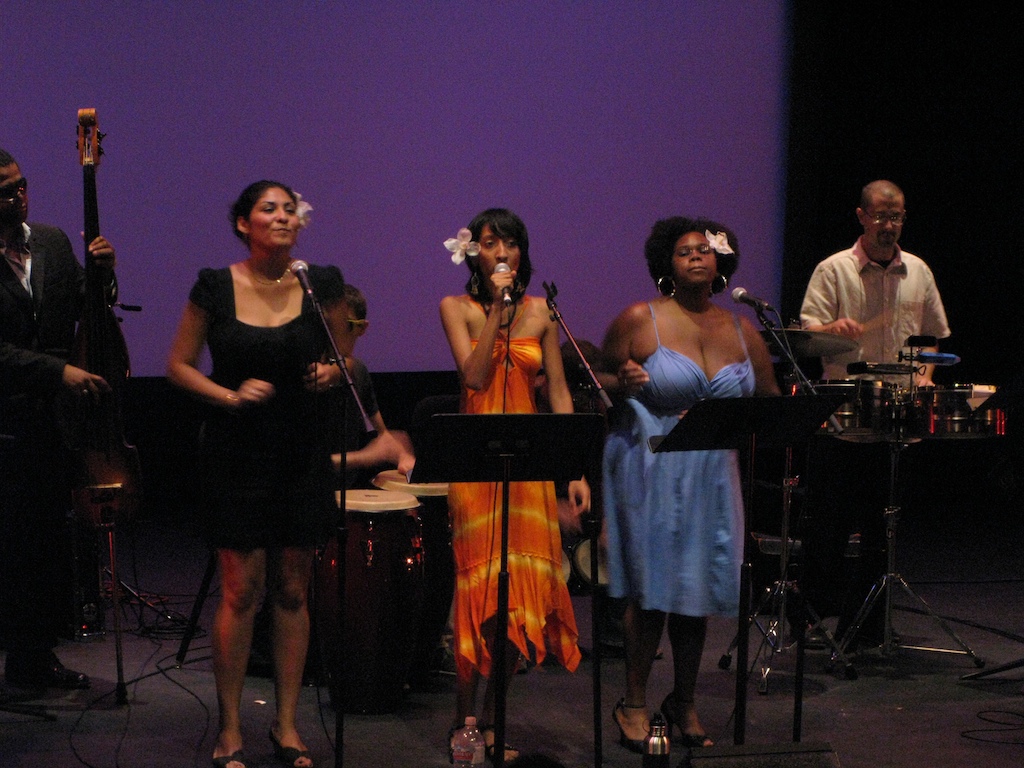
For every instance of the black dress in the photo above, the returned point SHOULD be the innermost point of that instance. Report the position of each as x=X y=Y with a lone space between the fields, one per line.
x=265 y=471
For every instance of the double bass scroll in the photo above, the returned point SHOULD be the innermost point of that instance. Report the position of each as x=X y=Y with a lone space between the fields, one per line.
x=103 y=458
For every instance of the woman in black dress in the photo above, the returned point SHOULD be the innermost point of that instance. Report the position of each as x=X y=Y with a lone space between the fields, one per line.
x=267 y=491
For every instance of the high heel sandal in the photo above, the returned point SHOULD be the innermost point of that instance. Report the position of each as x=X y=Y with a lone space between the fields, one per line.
x=238 y=756
x=672 y=711
x=633 y=745
x=491 y=750
x=288 y=756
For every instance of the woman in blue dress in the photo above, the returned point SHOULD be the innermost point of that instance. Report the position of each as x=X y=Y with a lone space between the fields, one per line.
x=674 y=520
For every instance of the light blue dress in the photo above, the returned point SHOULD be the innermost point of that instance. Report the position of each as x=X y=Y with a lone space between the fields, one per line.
x=674 y=520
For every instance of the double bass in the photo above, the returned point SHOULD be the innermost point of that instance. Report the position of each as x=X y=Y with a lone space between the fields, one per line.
x=106 y=485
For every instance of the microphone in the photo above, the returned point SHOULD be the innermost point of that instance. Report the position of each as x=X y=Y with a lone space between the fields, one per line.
x=506 y=292
x=300 y=269
x=740 y=296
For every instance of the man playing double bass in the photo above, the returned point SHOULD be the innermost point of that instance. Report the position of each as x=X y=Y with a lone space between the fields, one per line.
x=41 y=295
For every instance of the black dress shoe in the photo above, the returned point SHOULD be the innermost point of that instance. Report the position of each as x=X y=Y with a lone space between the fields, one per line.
x=46 y=671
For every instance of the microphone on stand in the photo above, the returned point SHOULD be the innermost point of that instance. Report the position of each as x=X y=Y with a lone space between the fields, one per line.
x=300 y=269
x=506 y=292
x=740 y=296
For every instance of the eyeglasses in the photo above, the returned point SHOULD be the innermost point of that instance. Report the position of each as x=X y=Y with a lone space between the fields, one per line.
x=896 y=219
x=686 y=250
x=353 y=324
x=10 y=192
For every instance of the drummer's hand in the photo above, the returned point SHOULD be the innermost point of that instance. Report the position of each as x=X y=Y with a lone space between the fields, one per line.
x=844 y=326
x=320 y=377
x=569 y=521
x=632 y=376
x=579 y=496
x=405 y=458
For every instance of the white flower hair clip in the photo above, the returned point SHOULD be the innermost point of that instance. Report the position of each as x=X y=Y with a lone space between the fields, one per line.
x=302 y=209
x=462 y=246
x=720 y=242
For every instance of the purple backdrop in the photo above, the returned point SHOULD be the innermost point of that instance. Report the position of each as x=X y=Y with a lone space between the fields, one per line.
x=399 y=121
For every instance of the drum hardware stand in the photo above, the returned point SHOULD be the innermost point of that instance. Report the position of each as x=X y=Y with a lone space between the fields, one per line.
x=137 y=596
x=103 y=502
x=883 y=587
x=776 y=595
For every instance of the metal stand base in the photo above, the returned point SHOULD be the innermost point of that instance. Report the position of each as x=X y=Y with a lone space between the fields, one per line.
x=774 y=633
x=883 y=588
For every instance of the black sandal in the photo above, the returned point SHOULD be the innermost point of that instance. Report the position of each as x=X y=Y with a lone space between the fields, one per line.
x=633 y=745
x=289 y=756
x=235 y=757
x=491 y=750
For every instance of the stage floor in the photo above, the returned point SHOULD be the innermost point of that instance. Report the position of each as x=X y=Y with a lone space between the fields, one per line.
x=903 y=710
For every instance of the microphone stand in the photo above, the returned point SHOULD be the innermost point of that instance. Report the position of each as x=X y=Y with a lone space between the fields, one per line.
x=339 y=707
x=552 y=291
x=593 y=524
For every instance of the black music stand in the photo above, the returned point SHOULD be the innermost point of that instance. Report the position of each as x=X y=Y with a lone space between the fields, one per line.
x=504 y=448
x=738 y=423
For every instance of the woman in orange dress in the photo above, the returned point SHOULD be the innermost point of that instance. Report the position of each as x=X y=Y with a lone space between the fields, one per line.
x=499 y=347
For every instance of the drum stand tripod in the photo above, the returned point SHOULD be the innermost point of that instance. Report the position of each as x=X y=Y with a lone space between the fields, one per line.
x=103 y=505
x=884 y=585
x=776 y=596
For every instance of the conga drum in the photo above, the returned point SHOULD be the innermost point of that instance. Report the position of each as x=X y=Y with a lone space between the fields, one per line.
x=367 y=659
x=438 y=567
x=582 y=564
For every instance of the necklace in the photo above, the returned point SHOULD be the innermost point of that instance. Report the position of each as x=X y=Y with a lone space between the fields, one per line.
x=259 y=278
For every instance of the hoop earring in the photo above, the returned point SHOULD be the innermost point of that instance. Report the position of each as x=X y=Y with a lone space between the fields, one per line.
x=474 y=284
x=719 y=283
x=666 y=286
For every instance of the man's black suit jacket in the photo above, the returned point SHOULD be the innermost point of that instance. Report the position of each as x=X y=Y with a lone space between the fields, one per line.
x=37 y=331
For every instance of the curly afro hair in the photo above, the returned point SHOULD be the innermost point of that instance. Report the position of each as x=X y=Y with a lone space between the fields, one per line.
x=661 y=244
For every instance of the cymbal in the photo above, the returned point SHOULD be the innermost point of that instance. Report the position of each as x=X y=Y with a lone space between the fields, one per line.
x=811 y=343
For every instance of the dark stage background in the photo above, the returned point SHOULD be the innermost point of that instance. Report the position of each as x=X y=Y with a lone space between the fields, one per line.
x=930 y=97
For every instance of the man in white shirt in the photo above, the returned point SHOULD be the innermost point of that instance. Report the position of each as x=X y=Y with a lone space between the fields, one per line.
x=879 y=295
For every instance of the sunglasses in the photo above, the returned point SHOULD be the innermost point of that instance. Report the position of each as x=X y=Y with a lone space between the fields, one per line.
x=10 y=192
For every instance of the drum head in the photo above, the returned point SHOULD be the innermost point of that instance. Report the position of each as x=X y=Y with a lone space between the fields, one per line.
x=581 y=556
x=370 y=500
x=393 y=480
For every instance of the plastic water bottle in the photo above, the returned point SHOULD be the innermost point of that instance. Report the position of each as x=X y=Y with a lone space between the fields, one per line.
x=656 y=745
x=468 y=745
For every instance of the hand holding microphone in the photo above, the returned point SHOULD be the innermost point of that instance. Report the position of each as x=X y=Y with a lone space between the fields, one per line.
x=502 y=268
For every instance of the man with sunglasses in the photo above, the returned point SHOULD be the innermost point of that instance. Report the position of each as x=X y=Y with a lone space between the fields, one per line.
x=41 y=292
x=879 y=295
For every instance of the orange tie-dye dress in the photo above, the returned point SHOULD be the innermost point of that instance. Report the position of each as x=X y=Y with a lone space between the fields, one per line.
x=541 y=618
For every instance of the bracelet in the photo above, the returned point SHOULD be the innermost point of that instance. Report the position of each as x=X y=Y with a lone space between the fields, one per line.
x=233 y=398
